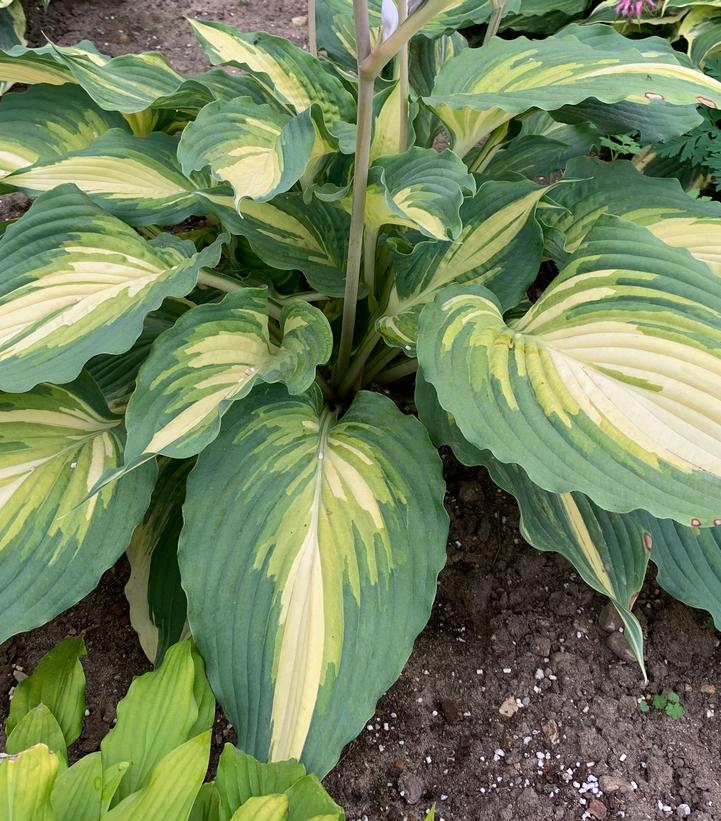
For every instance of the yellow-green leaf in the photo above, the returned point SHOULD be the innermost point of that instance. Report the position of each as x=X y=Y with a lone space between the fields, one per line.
x=171 y=787
x=26 y=781
x=162 y=710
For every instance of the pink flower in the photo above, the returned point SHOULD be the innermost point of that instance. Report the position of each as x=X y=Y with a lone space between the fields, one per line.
x=634 y=8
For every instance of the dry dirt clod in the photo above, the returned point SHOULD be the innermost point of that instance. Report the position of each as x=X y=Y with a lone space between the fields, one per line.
x=609 y=620
x=707 y=688
x=541 y=646
x=410 y=787
x=470 y=492
x=107 y=712
x=611 y=784
x=597 y=809
x=451 y=711
x=509 y=707
x=550 y=731
x=619 y=645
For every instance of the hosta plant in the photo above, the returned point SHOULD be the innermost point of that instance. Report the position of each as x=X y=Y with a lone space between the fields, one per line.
x=218 y=269
x=152 y=763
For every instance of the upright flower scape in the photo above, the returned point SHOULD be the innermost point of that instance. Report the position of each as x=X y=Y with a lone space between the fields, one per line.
x=216 y=274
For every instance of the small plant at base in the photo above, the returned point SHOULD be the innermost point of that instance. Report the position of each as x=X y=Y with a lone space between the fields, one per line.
x=207 y=395
x=669 y=703
x=151 y=764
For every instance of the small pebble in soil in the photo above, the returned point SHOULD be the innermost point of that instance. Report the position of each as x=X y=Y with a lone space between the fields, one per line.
x=609 y=620
x=509 y=707
x=619 y=645
x=410 y=787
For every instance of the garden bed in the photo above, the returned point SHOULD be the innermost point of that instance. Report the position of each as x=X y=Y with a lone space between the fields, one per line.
x=515 y=704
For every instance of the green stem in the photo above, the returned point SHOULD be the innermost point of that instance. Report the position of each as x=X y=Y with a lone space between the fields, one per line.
x=306 y=296
x=229 y=286
x=490 y=148
x=312 y=36
x=370 y=241
x=397 y=372
x=644 y=158
x=353 y=374
x=403 y=82
x=379 y=362
x=373 y=64
x=220 y=282
x=494 y=21
x=364 y=129
x=325 y=387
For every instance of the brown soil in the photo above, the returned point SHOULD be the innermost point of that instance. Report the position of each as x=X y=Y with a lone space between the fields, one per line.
x=122 y=26
x=511 y=627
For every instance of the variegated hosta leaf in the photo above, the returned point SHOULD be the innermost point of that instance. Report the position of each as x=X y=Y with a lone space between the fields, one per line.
x=543 y=17
x=655 y=122
x=463 y=13
x=212 y=357
x=425 y=58
x=688 y=561
x=158 y=606
x=500 y=247
x=542 y=147
x=609 y=385
x=136 y=178
x=54 y=546
x=12 y=24
x=386 y=124
x=12 y=29
x=608 y=550
x=336 y=30
x=701 y=28
x=289 y=235
x=482 y=88
x=614 y=560
x=260 y=151
x=76 y=282
x=129 y=83
x=331 y=535
x=46 y=122
x=661 y=205
x=420 y=188
x=26 y=782
x=286 y=71
x=116 y=375
x=38 y=65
